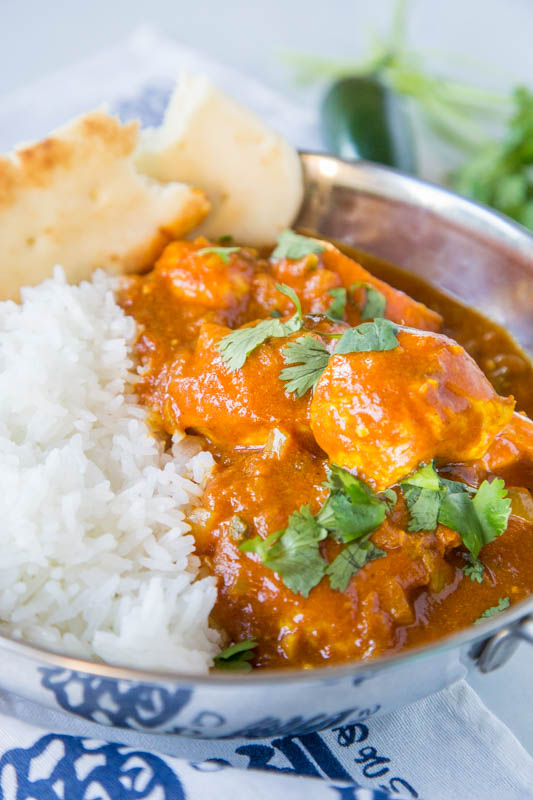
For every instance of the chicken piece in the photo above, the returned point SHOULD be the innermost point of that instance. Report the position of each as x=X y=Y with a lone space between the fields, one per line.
x=400 y=307
x=383 y=413
x=198 y=274
x=510 y=456
x=232 y=408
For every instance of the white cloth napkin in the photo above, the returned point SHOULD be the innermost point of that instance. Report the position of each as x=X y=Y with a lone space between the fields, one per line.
x=445 y=747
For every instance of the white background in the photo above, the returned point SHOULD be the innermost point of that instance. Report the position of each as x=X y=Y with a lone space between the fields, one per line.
x=489 y=41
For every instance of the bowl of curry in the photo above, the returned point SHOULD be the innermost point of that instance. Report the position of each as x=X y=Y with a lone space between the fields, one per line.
x=370 y=517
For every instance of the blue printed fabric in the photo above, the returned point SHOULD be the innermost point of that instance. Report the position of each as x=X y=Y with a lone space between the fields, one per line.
x=59 y=767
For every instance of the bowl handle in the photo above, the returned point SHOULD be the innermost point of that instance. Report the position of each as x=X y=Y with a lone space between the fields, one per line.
x=500 y=647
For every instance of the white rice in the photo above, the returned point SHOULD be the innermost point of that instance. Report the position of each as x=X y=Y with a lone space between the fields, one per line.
x=95 y=558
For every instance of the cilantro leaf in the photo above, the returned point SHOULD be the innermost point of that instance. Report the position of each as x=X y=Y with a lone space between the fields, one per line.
x=377 y=335
x=426 y=477
x=337 y=309
x=474 y=569
x=352 y=509
x=503 y=603
x=349 y=561
x=423 y=497
x=375 y=301
x=293 y=245
x=223 y=252
x=293 y=553
x=493 y=508
x=236 y=656
x=237 y=345
x=424 y=506
x=310 y=358
x=478 y=520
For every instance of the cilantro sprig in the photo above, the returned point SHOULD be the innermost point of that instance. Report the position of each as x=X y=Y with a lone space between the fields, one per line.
x=349 y=561
x=293 y=553
x=237 y=345
x=349 y=515
x=293 y=245
x=493 y=611
x=237 y=656
x=308 y=358
x=479 y=516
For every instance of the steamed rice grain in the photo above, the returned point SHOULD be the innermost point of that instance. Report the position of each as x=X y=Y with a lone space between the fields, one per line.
x=96 y=559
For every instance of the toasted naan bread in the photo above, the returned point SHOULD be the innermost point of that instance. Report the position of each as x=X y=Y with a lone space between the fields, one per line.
x=251 y=175
x=77 y=199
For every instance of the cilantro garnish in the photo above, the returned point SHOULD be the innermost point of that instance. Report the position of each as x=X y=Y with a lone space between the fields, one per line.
x=337 y=309
x=293 y=553
x=373 y=308
x=478 y=520
x=474 y=569
x=352 y=510
x=309 y=358
x=377 y=335
x=503 y=603
x=375 y=301
x=223 y=252
x=478 y=517
x=237 y=656
x=293 y=245
x=350 y=514
x=237 y=345
x=349 y=561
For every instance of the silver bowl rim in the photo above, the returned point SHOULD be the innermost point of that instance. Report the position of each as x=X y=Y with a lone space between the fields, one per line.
x=394 y=185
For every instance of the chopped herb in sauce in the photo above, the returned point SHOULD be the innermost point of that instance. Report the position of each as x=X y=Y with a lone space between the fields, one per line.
x=503 y=603
x=237 y=656
x=223 y=252
x=293 y=245
x=474 y=569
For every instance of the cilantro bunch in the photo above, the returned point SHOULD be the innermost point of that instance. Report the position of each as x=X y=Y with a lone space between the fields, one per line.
x=501 y=174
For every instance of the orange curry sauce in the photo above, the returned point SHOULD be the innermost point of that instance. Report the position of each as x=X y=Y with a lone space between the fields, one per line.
x=378 y=414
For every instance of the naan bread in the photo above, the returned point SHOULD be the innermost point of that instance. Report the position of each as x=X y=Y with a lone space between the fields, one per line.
x=76 y=199
x=251 y=175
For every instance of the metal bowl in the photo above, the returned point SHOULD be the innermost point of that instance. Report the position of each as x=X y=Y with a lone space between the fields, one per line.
x=484 y=260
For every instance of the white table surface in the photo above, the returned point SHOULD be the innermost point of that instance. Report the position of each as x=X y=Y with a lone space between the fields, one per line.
x=493 y=38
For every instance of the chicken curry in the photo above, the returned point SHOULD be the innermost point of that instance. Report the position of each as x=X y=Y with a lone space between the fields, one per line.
x=372 y=490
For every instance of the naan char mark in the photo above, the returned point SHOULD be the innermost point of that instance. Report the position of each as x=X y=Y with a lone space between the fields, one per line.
x=76 y=199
